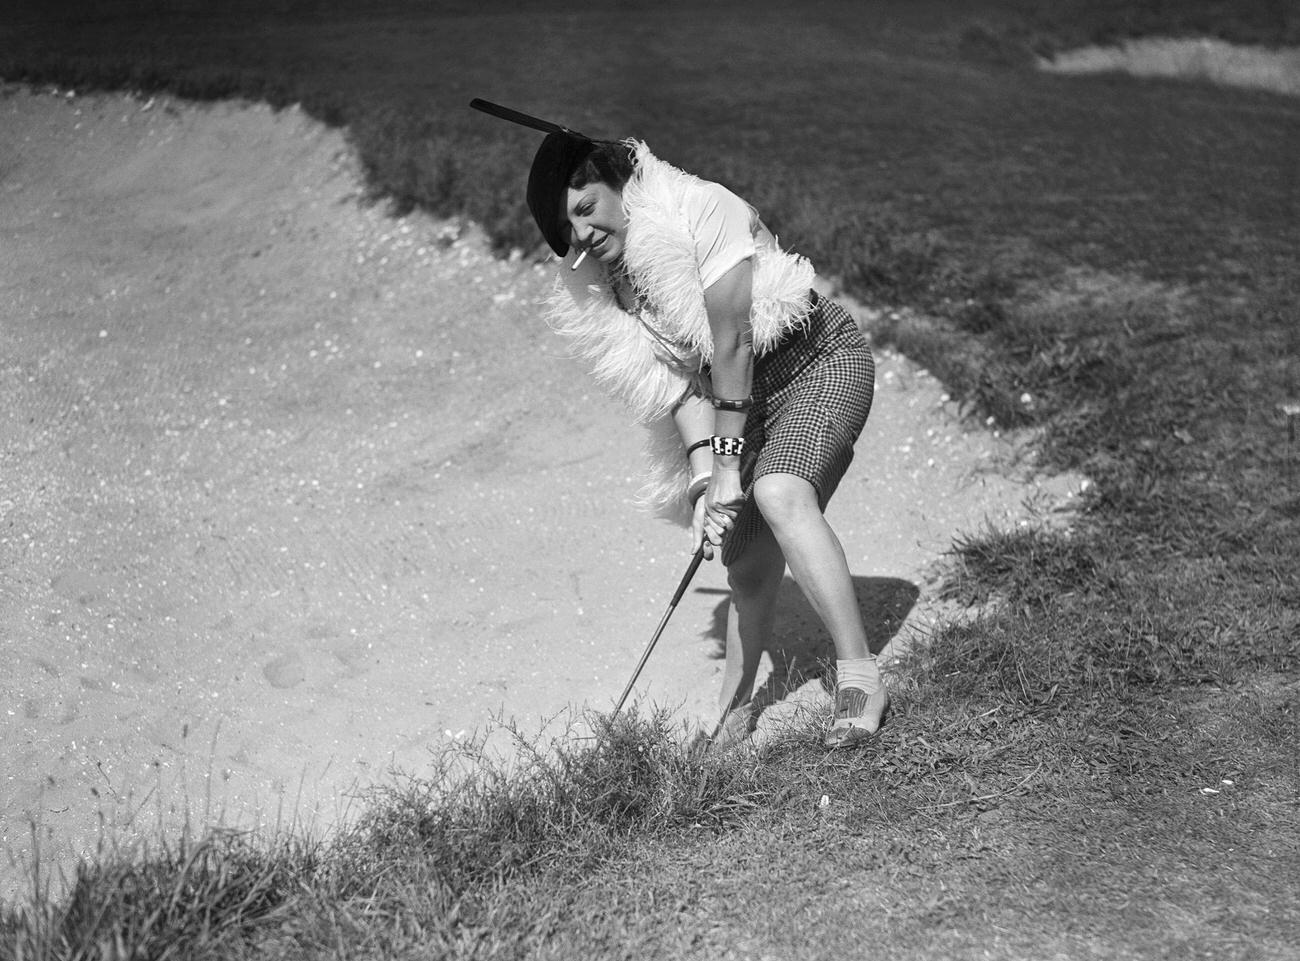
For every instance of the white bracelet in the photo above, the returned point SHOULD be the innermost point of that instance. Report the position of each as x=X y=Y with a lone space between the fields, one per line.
x=700 y=481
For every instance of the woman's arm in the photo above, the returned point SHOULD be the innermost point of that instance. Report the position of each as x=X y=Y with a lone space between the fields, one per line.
x=694 y=419
x=728 y=303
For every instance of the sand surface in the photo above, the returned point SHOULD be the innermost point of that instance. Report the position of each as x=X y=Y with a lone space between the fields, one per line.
x=1207 y=59
x=292 y=493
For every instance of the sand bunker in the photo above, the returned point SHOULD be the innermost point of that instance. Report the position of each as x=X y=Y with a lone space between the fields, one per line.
x=1259 y=68
x=296 y=492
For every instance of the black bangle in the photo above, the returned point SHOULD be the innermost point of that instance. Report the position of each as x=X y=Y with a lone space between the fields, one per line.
x=721 y=403
x=697 y=445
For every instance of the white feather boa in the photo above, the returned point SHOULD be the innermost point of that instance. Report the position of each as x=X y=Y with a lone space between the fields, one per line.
x=653 y=359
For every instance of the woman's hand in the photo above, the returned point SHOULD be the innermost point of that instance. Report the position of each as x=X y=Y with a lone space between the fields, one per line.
x=716 y=510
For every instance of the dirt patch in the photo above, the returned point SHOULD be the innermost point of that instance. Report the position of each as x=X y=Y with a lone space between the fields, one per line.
x=296 y=492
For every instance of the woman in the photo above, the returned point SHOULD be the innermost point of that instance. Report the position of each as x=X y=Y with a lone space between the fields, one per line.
x=753 y=386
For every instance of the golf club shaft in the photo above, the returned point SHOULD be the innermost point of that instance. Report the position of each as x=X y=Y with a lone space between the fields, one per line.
x=681 y=589
x=515 y=116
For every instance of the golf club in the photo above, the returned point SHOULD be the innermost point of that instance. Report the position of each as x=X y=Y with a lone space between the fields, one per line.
x=681 y=589
x=516 y=116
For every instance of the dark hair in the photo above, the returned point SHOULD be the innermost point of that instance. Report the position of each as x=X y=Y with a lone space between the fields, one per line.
x=611 y=163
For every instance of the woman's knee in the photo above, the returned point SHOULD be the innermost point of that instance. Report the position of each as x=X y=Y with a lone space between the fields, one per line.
x=784 y=499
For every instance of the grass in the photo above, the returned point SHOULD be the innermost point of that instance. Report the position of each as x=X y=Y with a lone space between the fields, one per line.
x=1099 y=762
x=428 y=860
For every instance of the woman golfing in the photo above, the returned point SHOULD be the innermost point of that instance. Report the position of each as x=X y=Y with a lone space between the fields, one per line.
x=754 y=388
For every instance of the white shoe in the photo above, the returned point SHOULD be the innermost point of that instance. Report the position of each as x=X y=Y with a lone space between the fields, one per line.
x=858 y=716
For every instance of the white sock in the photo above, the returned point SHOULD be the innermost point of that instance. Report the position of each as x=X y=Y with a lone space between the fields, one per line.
x=860 y=672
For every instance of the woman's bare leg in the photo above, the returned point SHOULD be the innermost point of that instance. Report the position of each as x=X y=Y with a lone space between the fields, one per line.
x=816 y=558
x=817 y=561
x=754 y=578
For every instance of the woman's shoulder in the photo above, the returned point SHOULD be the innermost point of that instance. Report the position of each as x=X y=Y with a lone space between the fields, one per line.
x=713 y=201
x=712 y=214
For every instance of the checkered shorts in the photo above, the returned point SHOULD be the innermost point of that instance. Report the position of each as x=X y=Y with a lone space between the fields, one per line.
x=812 y=394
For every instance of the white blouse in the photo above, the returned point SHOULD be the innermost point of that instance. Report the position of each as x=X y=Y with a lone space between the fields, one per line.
x=723 y=227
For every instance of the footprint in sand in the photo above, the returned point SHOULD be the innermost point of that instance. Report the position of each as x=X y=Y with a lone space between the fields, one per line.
x=287 y=670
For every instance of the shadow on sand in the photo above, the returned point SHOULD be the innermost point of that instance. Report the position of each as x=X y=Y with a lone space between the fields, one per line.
x=801 y=649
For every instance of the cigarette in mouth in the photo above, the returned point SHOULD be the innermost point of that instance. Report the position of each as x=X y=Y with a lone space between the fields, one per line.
x=580 y=258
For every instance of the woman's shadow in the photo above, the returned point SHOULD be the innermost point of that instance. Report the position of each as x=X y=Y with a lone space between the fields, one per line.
x=801 y=650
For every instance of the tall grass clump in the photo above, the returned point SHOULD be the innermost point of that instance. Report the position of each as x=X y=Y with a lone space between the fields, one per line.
x=472 y=826
x=426 y=859
x=176 y=900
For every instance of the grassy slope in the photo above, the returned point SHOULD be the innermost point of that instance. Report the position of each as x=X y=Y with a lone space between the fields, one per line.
x=1123 y=251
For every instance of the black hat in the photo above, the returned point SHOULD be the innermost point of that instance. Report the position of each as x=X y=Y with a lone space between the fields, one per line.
x=557 y=158
x=548 y=180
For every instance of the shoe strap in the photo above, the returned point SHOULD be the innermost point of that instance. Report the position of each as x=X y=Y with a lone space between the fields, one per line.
x=851 y=702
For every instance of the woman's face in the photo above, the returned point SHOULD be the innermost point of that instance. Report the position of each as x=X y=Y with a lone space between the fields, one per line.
x=597 y=222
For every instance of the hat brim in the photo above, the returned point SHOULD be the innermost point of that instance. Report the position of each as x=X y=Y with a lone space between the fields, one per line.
x=548 y=182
